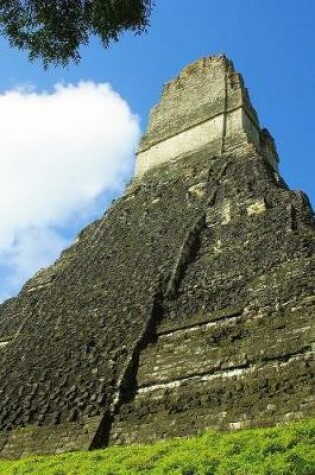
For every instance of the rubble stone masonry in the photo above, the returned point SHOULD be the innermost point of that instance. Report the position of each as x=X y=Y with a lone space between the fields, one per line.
x=188 y=305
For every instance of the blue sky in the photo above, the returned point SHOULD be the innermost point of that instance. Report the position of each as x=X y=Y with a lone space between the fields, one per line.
x=271 y=43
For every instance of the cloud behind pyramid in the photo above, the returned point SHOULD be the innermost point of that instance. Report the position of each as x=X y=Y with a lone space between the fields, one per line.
x=59 y=152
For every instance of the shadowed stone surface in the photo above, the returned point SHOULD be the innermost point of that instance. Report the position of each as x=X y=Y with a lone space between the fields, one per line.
x=188 y=305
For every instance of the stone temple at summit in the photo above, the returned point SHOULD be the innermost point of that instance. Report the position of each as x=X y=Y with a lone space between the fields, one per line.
x=188 y=305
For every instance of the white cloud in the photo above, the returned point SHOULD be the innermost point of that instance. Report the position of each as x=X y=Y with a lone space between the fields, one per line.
x=58 y=153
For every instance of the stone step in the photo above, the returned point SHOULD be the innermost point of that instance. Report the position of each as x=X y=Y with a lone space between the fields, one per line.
x=214 y=346
x=256 y=395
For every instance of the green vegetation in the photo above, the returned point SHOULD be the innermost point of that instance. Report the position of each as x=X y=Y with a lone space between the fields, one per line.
x=287 y=450
x=55 y=30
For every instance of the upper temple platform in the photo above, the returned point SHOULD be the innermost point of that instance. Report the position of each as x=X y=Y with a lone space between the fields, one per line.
x=206 y=106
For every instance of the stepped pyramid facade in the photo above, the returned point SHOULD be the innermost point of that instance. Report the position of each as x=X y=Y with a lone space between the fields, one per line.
x=188 y=305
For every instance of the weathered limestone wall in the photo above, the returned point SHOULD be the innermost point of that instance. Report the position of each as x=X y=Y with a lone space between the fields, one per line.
x=208 y=133
x=188 y=305
x=75 y=326
x=48 y=439
x=235 y=344
x=206 y=105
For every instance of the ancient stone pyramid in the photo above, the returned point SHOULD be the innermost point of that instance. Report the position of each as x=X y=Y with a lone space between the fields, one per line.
x=187 y=305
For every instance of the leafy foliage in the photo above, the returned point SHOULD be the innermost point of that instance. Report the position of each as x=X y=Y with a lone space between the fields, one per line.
x=54 y=30
x=287 y=450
